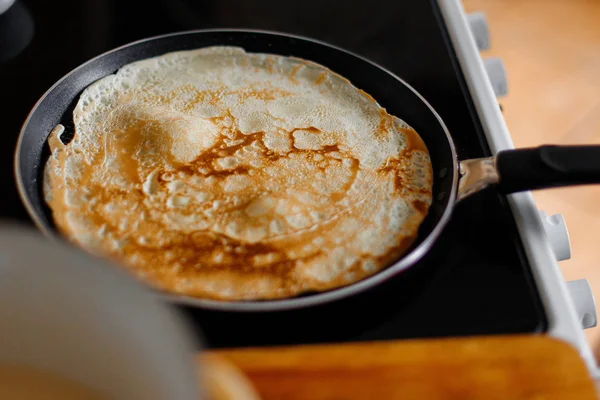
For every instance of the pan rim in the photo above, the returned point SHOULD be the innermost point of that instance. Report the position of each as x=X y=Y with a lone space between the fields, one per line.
x=315 y=299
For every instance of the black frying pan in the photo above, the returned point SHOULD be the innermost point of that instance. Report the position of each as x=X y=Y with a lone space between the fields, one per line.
x=511 y=171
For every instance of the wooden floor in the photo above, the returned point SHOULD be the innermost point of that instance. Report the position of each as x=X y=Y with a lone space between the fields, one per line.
x=551 y=50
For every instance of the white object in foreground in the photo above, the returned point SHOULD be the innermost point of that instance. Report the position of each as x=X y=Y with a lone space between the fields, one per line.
x=68 y=313
x=5 y=5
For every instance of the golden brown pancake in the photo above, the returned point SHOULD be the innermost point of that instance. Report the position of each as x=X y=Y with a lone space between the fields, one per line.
x=222 y=174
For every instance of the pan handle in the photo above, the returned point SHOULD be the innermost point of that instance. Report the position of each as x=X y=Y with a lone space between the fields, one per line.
x=547 y=166
x=531 y=168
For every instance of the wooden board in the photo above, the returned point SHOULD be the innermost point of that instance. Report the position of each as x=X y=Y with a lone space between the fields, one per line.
x=502 y=367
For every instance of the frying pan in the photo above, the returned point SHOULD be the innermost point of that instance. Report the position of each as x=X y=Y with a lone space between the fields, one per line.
x=510 y=171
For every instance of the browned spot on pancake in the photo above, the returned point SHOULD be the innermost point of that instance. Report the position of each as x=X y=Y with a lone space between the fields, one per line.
x=123 y=145
x=321 y=78
x=420 y=206
x=264 y=94
x=414 y=141
x=385 y=124
x=294 y=72
x=271 y=64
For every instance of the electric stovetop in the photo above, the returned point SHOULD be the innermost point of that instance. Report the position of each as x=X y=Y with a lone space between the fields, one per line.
x=476 y=279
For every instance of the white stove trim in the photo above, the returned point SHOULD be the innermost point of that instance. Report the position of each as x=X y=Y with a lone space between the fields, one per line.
x=560 y=309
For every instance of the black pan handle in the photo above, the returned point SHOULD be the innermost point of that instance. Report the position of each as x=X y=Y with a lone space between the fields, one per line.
x=547 y=167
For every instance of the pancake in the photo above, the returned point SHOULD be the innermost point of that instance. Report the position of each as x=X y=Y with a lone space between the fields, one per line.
x=228 y=175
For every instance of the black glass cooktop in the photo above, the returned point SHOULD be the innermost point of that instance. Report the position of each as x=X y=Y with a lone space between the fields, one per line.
x=475 y=280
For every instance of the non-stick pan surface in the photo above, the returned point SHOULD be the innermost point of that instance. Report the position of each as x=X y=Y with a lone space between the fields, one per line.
x=390 y=92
